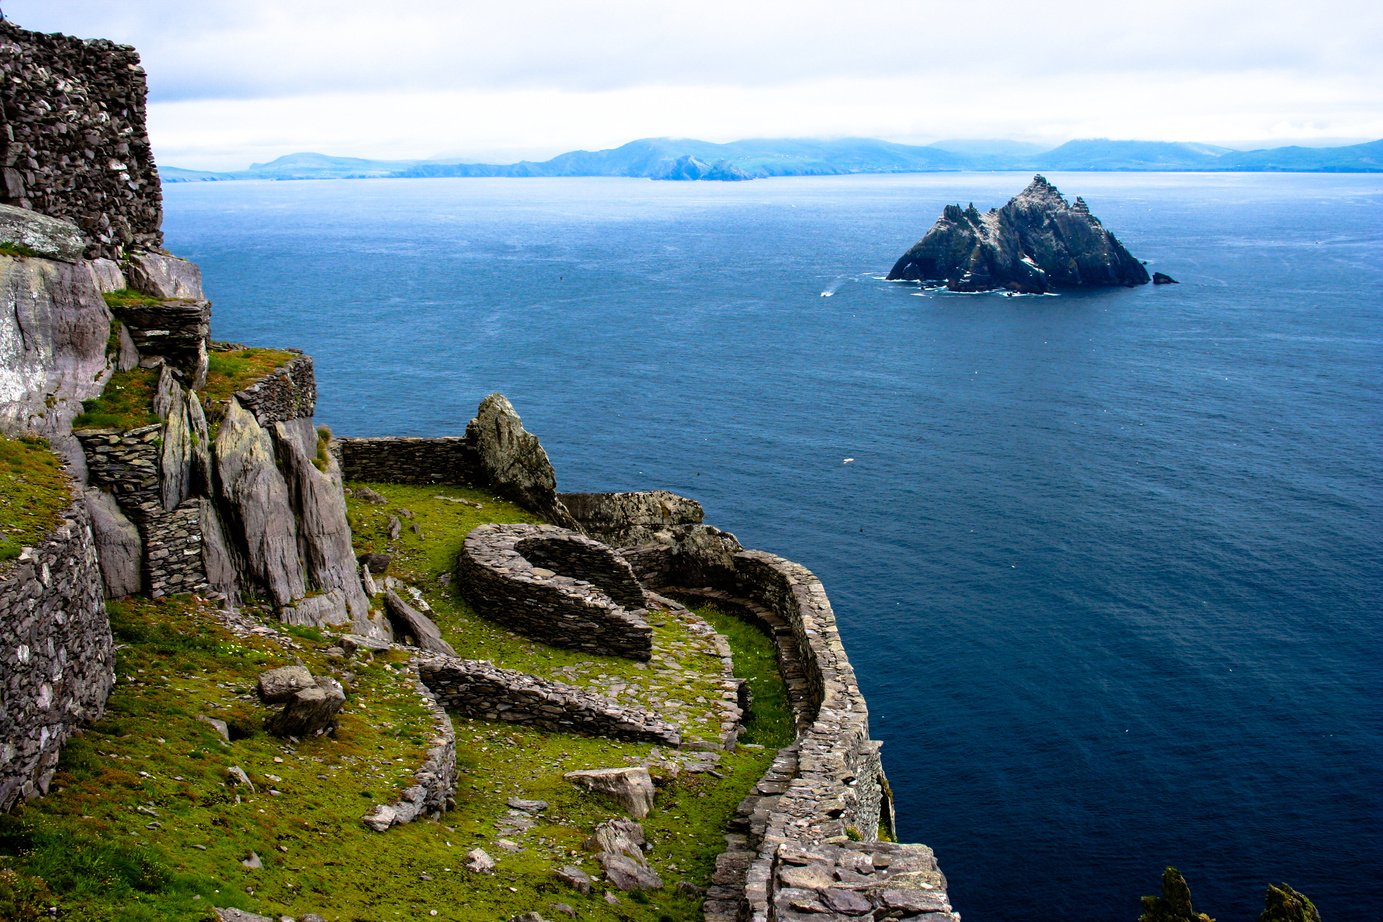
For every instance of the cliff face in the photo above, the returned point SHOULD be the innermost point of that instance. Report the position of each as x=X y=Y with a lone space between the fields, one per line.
x=1035 y=244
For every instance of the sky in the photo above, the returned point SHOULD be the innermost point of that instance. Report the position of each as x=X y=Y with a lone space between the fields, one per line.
x=233 y=82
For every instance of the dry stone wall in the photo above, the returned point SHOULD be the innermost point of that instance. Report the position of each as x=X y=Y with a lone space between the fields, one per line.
x=791 y=856
x=74 y=143
x=403 y=459
x=57 y=658
x=573 y=608
x=475 y=688
x=288 y=392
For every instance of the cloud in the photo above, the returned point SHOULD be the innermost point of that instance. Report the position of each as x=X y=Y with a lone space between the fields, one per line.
x=904 y=69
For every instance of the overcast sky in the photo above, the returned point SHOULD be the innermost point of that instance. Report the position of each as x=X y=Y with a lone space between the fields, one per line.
x=236 y=81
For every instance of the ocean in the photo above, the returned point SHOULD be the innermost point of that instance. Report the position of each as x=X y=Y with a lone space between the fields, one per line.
x=1109 y=564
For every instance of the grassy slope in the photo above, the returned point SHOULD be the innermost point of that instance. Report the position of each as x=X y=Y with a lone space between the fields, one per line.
x=33 y=491
x=142 y=826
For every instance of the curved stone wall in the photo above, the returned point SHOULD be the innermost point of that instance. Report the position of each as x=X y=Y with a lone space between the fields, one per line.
x=584 y=607
x=57 y=658
x=804 y=844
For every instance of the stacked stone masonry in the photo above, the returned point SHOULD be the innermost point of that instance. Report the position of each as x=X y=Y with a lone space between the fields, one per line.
x=790 y=854
x=57 y=658
x=584 y=607
x=127 y=465
x=402 y=459
x=74 y=143
x=475 y=688
x=288 y=392
x=433 y=790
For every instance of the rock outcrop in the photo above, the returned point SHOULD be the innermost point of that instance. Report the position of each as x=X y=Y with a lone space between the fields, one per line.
x=1035 y=244
x=513 y=461
x=53 y=332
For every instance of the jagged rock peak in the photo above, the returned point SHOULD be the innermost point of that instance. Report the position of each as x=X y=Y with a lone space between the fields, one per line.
x=1034 y=244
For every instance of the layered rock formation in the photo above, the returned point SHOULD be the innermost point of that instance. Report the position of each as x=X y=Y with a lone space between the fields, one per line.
x=1035 y=244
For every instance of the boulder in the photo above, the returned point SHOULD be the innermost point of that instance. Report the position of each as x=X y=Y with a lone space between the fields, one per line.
x=619 y=846
x=377 y=564
x=217 y=560
x=407 y=622
x=128 y=355
x=254 y=490
x=278 y=685
x=50 y=238
x=380 y=817
x=1159 y=278
x=159 y=275
x=310 y=712
x=323 y=610
x=175 y=457
x=513 y=460
x=1035 y=244
x=630 y=787
x=239 y=915
x=118 y=546
x=575 y=878
x=106 y=274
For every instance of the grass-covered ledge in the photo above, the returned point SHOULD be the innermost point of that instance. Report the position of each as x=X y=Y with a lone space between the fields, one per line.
x=234 y=369
x=127 y=401
x=34 y=490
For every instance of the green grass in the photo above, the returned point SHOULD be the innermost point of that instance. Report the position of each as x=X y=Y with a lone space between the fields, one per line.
x=140 y=824
x=127 y=402
x=228 y=372
x=128 y=297
x=10 y=248
x=756 y=661
x=33 y=491
x=128 y=398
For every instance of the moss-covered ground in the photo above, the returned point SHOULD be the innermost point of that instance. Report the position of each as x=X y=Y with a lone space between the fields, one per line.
x=141 y=823
x=33 y=492
x=127 y=401
x=235 y=370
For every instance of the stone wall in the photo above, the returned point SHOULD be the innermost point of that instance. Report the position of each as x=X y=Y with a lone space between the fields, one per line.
x=57 y=659
x=475 y=688
x=402 y=459
x=791 y=854
x=433 y=790
x=286 y=393
x=74 y=143
x=564 y=609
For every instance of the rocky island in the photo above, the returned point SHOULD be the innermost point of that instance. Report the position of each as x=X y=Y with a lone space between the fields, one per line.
x=1037 y=243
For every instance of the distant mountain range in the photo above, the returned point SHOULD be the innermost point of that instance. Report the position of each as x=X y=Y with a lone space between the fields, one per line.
x=686 y=159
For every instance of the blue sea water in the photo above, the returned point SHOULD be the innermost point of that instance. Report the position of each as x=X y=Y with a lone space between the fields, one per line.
x=1109 y=565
